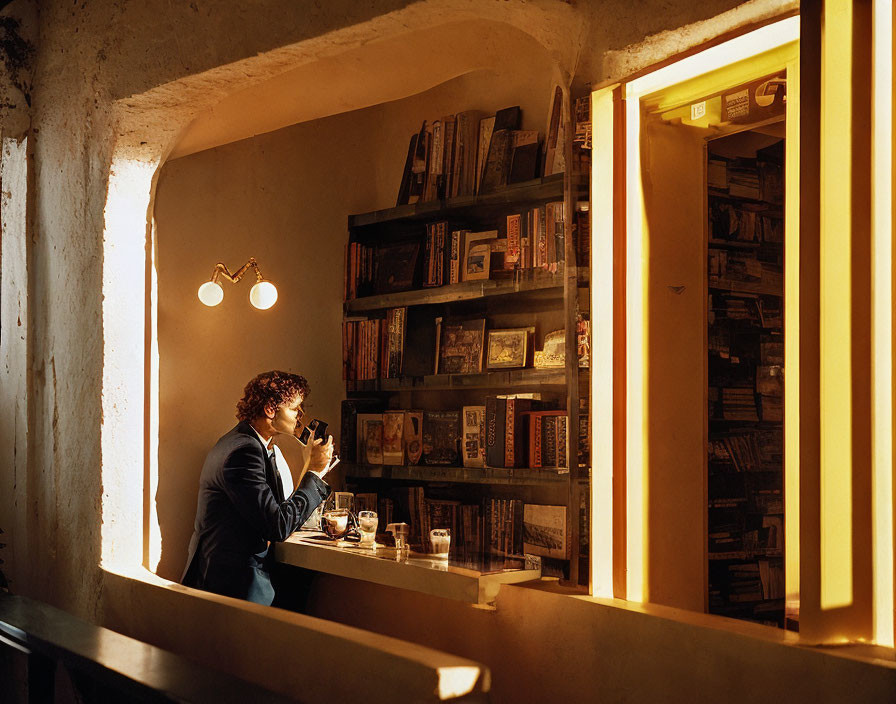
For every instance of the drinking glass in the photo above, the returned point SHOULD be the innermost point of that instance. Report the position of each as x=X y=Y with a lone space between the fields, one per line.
x=336 y=522
x=440 y=541
x=367 y=523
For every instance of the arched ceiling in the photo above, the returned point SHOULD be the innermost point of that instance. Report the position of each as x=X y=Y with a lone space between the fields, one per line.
x=374 y=73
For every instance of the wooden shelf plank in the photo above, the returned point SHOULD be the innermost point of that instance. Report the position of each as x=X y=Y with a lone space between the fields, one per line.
x=529 y=280
x=461 y=475
x=510 y=378
x=537 y=189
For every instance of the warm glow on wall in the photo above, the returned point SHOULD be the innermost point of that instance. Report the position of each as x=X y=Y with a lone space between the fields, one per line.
x=602 y=293
x=792 y=344
x=835 y=305
x=636 y=370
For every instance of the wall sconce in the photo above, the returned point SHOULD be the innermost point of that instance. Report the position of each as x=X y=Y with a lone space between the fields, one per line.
x=262 y=295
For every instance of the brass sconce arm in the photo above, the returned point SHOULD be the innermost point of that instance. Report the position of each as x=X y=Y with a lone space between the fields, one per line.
x=221 y=271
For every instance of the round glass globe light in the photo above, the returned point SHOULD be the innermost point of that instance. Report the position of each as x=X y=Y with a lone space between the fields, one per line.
x=211 y=293
x=263 y=295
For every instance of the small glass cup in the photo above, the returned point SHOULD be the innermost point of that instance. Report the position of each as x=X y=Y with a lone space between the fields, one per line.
x=440 y=542
x=336 y=523
x=367 y=523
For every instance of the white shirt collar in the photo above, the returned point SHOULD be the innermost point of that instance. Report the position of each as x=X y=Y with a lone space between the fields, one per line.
x=267 y=446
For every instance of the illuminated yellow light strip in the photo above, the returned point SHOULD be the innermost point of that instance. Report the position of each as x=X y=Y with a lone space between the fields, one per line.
x=602 y=325
x=743 y=47
x=636 y=371
x=882 y=320
x=835 y=304
x=792 y=342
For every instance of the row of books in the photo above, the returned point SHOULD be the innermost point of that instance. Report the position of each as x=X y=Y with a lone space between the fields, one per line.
x=480 y=532
x=374 y=348
x=752 y=309
x=447 y=253
x=408 y=342
x=740 y=582
x=745 y=404
x=507 y=432
x=744 y=271
x=744 y=222
x=473 y=153
x=760 y=178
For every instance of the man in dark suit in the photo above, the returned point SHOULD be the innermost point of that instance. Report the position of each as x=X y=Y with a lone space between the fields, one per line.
x=241 y=507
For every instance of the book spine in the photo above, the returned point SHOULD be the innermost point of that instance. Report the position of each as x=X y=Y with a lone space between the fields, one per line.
x=509 y=432
x=454 y=264
x=494 y=450
x=549 y=441
x=562 y=436
x=383 y=348
x=449 y=129
x=486 y=126
x=440 y=254
x=536 y=460
x=512 y=256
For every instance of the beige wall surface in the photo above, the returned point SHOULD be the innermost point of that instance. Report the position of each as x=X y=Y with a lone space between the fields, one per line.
x=283 y=198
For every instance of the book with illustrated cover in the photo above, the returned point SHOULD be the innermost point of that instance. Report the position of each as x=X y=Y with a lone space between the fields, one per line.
x=393 y=437
x=441 y=435
x=544 y=531
x=348 y=437
x=372 y=435
x=460 y=346
x=473 y=438
x=413 y=436
x=368 y=436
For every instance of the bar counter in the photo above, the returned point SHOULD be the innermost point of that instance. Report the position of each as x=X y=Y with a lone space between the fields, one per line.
x=474 y=584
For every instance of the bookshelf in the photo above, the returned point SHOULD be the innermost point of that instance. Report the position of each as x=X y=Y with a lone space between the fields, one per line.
x=541 y=297
x=745 y=348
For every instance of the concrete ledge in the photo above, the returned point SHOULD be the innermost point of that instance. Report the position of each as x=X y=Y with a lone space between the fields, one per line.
x=292 y=654
x=544 y=644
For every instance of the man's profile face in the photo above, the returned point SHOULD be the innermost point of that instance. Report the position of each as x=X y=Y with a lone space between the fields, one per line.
x=287 y=416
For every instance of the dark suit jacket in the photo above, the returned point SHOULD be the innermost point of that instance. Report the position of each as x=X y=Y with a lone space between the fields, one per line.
x=241 y=508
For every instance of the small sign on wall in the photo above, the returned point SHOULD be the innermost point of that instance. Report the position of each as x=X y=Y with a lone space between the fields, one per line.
x=755 y=101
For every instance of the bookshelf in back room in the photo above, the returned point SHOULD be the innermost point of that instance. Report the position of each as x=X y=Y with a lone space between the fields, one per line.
x=745 y=375
x=465 y=322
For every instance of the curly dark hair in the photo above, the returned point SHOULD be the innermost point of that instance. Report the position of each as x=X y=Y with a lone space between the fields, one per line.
x=270 y=389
